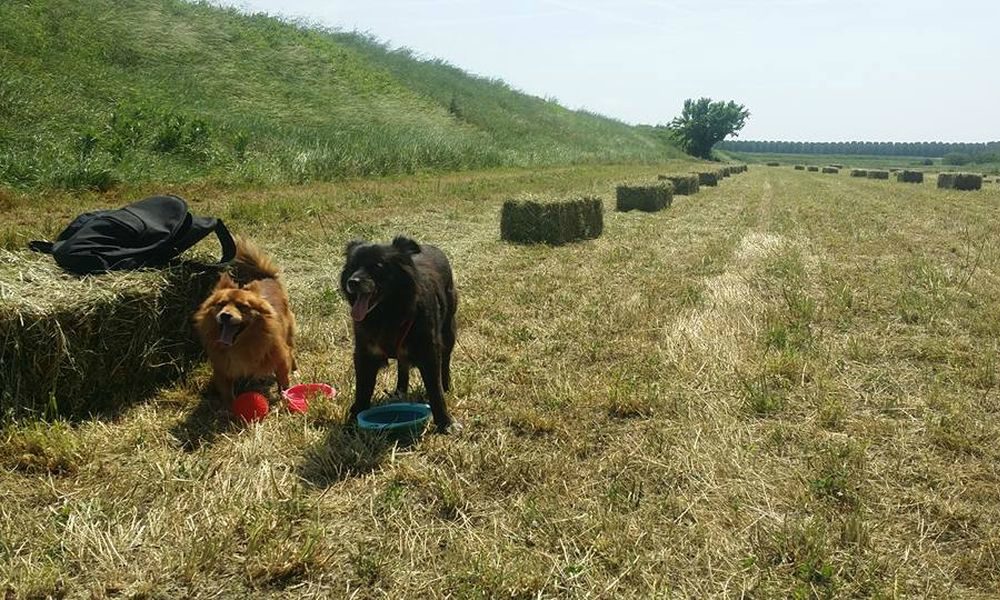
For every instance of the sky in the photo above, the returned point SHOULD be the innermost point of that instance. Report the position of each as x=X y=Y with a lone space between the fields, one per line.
x=808 y=70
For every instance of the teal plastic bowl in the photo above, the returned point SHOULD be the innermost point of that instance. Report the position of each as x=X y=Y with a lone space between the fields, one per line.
x=402 y=421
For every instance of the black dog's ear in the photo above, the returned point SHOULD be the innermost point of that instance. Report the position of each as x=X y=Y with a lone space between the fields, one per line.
x=405 y=245
x=351 y=245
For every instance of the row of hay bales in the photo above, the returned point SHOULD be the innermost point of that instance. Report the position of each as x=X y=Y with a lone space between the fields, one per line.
x=532 y=220
x=76 y=346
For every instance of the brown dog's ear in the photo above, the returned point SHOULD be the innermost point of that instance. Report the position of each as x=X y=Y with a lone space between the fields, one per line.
x=351 y=245
x=405 y=245
x=226 y=282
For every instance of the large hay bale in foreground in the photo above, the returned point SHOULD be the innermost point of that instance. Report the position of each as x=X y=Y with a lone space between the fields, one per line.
x=859 y=173
x=710 y=178
x=645 y=197
x=878 y=174
x=960 y=181
x=684 y=185
x=800 y=167
x=812 y=169
x=73 y=346
x=533 y=220
x=907 y=176
x=831 y=170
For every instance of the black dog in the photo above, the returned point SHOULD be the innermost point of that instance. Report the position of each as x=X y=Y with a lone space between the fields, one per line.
x=403 y=303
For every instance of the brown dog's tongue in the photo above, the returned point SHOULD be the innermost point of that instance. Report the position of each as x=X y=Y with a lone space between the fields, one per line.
x=227 y=333
x=360 y=308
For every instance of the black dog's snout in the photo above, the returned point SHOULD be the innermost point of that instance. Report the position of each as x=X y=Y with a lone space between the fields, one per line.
x=353 y=284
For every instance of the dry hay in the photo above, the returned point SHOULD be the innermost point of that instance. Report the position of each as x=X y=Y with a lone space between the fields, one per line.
x=534 y=220
x=831 y=170
x=645 y=197
x=74 y=346
x=910 y=176
x=710 y=178
x=878 y=174
x=859 y=173
x=960 y=181
x=812 y=169
x=684 y=185
x=800 y=167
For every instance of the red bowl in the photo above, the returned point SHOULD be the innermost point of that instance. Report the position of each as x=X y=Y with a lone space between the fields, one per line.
x=298 y=396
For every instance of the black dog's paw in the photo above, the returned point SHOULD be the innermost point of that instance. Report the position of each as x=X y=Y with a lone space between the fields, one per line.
x=453 y=428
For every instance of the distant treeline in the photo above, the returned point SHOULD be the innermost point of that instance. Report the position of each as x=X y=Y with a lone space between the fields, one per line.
x=923 y=149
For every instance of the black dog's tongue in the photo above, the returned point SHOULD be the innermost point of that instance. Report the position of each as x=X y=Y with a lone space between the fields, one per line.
x=227 y=333
x=359 y=310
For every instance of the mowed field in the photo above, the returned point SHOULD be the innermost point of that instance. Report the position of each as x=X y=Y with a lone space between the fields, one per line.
x=785 y=386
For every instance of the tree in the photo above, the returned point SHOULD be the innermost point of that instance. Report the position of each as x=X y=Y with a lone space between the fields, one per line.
x=704 y=123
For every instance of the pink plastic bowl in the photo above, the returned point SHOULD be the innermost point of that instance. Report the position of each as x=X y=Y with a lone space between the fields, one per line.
x=298 y=395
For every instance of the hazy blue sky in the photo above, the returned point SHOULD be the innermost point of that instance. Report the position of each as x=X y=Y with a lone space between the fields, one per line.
x=902 y=70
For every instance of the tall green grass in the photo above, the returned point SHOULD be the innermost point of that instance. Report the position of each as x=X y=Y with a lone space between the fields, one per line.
x=93 y=93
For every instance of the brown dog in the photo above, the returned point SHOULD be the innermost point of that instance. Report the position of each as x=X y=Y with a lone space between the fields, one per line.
x=246 y=325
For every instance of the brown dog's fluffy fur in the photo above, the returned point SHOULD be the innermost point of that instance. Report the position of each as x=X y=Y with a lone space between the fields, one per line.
x=246 y=324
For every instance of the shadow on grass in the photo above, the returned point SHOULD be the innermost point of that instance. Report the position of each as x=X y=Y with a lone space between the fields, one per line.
x=210 y=416
x=347 y=451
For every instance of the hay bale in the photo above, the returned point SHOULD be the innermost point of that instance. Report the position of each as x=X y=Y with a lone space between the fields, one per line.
x=644 y=197
x=800 y=167
x=534 y=220
x=724 y=172
x=684 y=185
x=960 y=181
x=774 y=164
x=837 y=166
x=710 y=178
x=74 y=346
x=878 y=174
x=739 y=168
x=859 y=173
x=831 y=170
x=812 y=169
x=906 y=176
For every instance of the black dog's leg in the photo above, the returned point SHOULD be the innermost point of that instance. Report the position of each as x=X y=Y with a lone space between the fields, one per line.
x=365 y=371
x=449 y=345
x=430 y=372
x=402 y=377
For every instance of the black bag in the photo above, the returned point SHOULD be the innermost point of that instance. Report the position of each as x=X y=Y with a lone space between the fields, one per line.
x=147 y=233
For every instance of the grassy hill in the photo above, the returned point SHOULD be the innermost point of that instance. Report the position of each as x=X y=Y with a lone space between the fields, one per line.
x=96 y=92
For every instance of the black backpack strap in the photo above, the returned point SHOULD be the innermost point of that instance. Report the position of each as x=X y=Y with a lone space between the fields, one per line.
x=43 y=246
x=201 y=227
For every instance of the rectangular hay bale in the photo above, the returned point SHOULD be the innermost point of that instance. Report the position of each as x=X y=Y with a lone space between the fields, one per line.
x=534 y=220
x=774 y=164
x=684 y=185
x=644 y=197
x=907 y=176
x=75 y=346
x=960 y=181
x=812 y=169
x=831 y=170
x=709 y=178
x=800 y=167
x=878 y=174
x=859 y=173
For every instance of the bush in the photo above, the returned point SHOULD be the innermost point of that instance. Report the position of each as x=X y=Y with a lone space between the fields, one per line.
x=831 y=170
x=710 y=178
x=532 y=220
x=960 y=181
x=648 y=198
x=684 y=185
x=910 y=176
x=859 y=173
x=878 y=174
x=956 y=158
x=812 y=168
